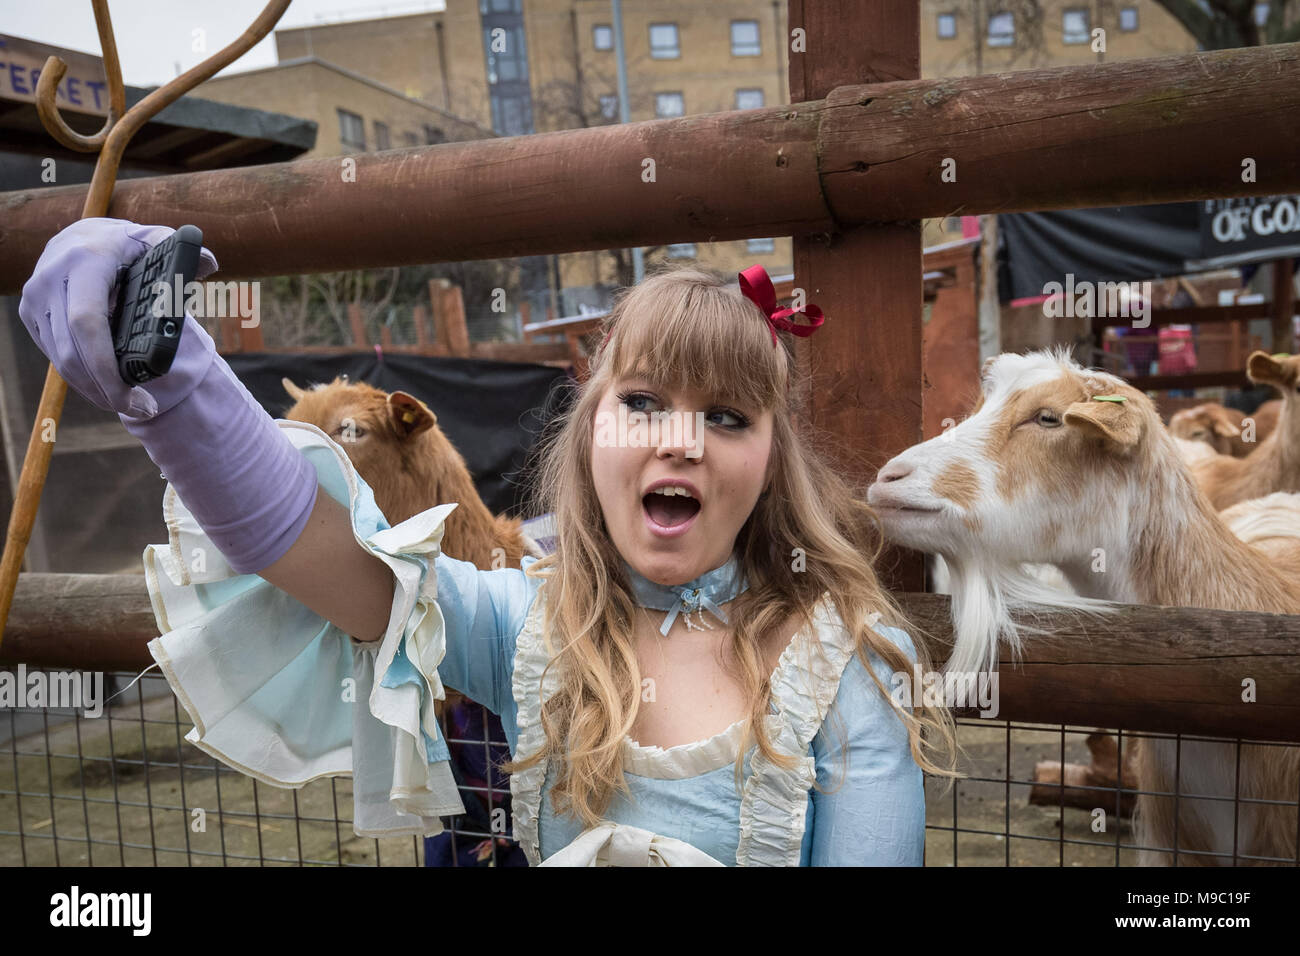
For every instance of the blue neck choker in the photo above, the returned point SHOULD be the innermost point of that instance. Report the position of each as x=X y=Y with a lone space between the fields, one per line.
x=705 y=593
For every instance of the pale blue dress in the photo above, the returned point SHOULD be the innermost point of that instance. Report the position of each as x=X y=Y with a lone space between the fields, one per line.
x=281 y=694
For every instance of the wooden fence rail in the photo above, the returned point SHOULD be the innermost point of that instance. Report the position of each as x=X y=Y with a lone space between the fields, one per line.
x=1153 y=130
x=1154 y=669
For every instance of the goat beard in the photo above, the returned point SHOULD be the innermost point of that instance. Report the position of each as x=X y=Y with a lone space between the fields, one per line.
x=996 y=604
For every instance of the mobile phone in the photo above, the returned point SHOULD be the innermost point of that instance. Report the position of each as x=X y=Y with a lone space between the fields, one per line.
x=148 y=318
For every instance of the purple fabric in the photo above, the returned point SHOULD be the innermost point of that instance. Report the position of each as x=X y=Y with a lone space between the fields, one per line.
x=242 y=479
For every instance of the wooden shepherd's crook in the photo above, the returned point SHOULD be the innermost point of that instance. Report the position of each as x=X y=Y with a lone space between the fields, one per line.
x=110 y=141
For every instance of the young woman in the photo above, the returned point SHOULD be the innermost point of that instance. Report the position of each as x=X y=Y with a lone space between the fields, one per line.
x=700 y=674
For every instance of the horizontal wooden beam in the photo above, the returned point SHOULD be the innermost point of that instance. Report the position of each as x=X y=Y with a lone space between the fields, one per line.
x=1138 y=131
x=1154 y=669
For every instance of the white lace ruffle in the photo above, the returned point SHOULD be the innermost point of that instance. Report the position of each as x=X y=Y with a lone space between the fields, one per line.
x=684 y=760
x=774 y=800
x=531 y=658
x=283 y=695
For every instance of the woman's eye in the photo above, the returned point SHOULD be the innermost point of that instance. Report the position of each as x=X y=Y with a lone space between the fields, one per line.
x=631 y=400
x=1047 y=419
x=737 y=420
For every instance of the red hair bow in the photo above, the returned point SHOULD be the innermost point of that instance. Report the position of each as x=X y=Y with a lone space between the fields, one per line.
x=757 y=288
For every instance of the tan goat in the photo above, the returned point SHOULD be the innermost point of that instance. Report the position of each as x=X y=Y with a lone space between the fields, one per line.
x=1226 y=430
x=1058 y=464
x=397 y=447
x=1275 y=464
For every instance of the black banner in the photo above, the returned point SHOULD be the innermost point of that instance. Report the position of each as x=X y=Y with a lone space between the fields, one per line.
x=493 y=412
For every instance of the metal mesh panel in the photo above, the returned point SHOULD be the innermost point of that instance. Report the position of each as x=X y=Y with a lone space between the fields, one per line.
x=126 y=789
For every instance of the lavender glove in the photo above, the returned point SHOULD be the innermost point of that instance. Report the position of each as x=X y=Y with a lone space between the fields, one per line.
x=243 y=481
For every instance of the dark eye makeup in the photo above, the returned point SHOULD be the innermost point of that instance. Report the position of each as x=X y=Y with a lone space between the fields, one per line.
x=632 y=396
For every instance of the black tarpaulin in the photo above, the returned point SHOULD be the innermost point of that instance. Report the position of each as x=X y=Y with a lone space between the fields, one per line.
x=493 y=412
x=1134 y=243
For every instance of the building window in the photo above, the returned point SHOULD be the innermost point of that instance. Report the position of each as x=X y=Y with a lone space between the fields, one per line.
x=947 y=26
x=744 y=38
x=433 y=135
x=512 y=115
x=681 y=250
x=669 y=104
x=1074 y=26
x=1002 y=29
x=508 y=64
x=609 y=106
x=411 y=139
x=382 y=140
x=352 y=130
x=749 y=99
x=602 y=36
x=505 y=46
x=663 y=41
x=760 y=246
x=1261 y=14
x=1128 y=19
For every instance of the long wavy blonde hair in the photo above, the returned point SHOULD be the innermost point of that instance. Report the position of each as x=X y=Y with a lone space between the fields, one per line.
x=690 y=329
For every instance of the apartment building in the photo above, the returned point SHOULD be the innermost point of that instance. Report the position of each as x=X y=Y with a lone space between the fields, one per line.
x=521 y=66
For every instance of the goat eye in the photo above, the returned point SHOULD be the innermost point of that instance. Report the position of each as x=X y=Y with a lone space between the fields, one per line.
x=1047 y=418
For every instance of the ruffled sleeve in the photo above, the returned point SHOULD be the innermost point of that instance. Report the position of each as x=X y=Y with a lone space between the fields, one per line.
x=283 y=695
x=876 y=816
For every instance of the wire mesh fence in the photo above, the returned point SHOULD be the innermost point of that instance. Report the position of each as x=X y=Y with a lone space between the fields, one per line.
x=126 y=789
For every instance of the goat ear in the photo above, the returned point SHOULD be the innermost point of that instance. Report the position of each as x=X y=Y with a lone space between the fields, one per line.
x=1263 y=369
x=1225 y=429
x=294 y=391
x=410 y=415
x=1113 y=422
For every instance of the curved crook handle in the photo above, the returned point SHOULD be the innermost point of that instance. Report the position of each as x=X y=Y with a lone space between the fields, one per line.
x=170 y=92
x=111 y=142
x=47 y=88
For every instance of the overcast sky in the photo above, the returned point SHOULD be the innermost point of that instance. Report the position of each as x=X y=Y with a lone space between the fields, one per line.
x=153 y=36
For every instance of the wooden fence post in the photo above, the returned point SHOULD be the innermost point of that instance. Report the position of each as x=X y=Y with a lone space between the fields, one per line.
x=1283 y=306
x=359 y=336
x=419 y=316
x=865 y=363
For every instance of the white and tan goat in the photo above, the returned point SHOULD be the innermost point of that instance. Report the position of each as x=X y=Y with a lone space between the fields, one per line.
x=1055 y=463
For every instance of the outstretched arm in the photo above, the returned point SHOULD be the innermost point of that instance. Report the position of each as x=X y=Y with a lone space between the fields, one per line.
x=327 y=570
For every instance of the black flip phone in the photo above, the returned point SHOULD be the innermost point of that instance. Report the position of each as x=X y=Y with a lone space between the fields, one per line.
x=147 y=320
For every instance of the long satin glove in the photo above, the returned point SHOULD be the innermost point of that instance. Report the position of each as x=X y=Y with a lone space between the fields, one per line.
x=241 y=478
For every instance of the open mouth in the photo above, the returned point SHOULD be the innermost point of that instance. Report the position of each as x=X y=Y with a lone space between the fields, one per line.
x=669 y=514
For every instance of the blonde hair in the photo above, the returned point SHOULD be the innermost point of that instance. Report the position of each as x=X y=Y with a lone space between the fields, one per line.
x=690 y=329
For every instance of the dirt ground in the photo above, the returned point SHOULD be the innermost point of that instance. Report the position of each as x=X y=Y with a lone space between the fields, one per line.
x=147 y=808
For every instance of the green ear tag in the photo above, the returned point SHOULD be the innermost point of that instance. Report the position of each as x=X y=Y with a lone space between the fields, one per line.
x=1109 y=398
x=1281 y=355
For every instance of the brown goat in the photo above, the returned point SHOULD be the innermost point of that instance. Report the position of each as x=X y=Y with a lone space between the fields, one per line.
x=1275 y=464
x=1225 y=429
x=395 y=444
